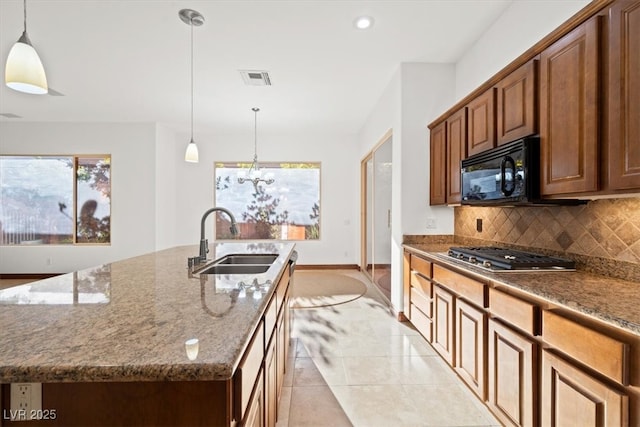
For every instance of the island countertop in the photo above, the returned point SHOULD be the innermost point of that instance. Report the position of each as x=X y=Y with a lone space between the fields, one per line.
x=129 y=320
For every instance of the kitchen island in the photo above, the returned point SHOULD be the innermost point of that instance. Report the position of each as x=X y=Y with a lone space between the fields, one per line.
x=108 y=343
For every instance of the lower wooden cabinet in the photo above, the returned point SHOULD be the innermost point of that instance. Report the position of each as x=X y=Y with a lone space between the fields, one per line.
x=444 y=317
x=470 y=324
x=271 y=383
x=512 y=376
x=571 y=397
x=255 y=411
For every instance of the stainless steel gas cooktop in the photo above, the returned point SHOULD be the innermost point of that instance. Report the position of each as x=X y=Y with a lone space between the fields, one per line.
x=504 y=260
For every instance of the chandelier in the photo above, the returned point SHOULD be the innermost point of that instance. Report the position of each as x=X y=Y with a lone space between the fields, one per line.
x=254 y=174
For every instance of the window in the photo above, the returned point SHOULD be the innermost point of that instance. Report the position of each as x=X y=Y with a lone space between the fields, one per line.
x=55 y=199
x=287 y=209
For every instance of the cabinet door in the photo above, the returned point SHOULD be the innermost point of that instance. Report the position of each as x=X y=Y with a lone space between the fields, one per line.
x=255 y=410
x=512 y=376
x=456 y=151
x=438 y=163
x=569 y=112
x=470 y=326
x=570 y=397
x=516 y=115
x=624 y=96
x=281 y=352
x=481 y=123
x=271 y=383
x=444 y=324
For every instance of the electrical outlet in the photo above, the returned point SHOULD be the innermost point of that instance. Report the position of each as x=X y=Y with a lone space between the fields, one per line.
x=431 y=223
x=26 y=400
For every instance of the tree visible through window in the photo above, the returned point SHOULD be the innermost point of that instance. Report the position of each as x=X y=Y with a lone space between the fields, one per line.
x=55 y=199
x=287 y=209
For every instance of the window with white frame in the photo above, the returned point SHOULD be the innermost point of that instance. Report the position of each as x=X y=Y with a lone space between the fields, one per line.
x=280 y=202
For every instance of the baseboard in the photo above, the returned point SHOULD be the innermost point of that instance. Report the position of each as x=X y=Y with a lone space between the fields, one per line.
x=327 y=267
x=28 y=276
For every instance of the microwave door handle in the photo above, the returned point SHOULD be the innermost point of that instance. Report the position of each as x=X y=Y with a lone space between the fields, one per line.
x=503 y=175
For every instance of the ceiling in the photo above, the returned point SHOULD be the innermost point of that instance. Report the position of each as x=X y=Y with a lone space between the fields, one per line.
x=129 y=61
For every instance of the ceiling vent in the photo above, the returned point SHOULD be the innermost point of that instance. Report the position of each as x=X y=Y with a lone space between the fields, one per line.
x=255 y=77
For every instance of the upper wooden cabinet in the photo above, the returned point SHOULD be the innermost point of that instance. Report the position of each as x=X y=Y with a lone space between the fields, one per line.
x=623 y=136
x=481 y=123
x=517 y=102
x=438 y=162
x=456 y=151
x=569 y=112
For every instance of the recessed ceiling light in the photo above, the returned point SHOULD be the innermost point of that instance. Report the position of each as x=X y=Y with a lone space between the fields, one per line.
x=363 y=22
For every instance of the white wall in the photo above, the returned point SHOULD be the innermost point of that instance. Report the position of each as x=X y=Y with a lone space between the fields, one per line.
x=133 y=218
x=416 y=95
x=167 y=157
x=339 y=232
x=521 y=26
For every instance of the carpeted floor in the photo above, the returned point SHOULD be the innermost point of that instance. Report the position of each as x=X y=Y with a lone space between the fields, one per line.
x=320 y=289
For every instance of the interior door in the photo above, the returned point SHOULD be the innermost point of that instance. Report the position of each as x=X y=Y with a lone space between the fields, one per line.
x=377 y=214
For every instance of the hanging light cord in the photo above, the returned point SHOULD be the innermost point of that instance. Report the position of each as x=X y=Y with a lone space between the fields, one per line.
x=255 y=138
x=191 y=79
x=24 y=4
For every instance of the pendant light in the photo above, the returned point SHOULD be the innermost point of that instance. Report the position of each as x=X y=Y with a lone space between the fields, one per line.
x=191 y=18
x=254 y=175
x=24 y=71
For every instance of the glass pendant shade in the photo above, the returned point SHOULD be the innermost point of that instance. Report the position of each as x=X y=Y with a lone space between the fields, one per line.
x=191 y=155
x=24 y=71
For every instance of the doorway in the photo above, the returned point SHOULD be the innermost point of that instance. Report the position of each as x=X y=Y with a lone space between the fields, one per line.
x=376 y=213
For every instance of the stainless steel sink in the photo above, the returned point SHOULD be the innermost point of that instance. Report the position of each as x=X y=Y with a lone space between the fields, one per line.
x=240 y=264
x=235 y=269
x=248 y=259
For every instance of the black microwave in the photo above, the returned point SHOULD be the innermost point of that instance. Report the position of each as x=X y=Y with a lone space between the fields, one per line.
x=505 y=175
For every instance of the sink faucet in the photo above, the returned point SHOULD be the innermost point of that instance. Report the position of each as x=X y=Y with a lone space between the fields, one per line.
x=204 y=244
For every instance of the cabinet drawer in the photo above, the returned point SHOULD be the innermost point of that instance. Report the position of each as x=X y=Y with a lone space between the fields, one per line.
x=602 y=353
x=519 y=313
x=464 y=286
x=270 y=316
x=421 y=301
x=249 y=369
x=283 y=285
x=421 y=265
x=422 y=283
x=421 y=322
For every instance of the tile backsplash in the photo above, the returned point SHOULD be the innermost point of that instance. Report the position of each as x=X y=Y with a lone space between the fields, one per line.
x=604 y=233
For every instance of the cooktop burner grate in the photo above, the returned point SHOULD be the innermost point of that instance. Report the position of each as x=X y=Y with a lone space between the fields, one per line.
x=497 y=258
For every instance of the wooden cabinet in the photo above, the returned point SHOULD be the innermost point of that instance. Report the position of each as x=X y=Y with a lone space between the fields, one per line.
x=418 y=294
x=570 y=397
x=569 y=128
x=271 y=383
x=481 y=123
x=532 y=362
x=623 y=85
x=263 y=365
x=516 y=104
x=438 y=163
x=470 y=326
x=456 y=151
x=512 y=376
x=443 y=331
x=255 y=411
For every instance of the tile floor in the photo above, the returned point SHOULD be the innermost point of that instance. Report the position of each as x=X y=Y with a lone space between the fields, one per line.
x=354 y=364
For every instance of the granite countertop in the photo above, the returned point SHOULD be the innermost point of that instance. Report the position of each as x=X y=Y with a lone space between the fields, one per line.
x=129 y=320
x=613 y=301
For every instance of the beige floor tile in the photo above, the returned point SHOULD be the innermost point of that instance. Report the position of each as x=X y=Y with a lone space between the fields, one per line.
x=451 y=406
x=355 y=364
x=378 y=405
x=316 y=406
x=284 y=407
